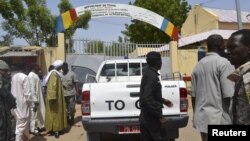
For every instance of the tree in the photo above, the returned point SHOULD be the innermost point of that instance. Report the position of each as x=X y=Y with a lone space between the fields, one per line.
x=32 y=21
x=95 y=47
x=81 y=22
x=119 y=49
x=28 y=19
x=173 y=10
x=7 y=40
x=122 y=39
x=109 y=49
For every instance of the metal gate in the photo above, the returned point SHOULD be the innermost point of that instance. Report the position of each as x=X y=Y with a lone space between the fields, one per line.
x=87 y=55
x=97 y=47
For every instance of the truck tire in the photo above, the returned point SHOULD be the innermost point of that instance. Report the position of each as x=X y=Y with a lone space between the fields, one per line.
x=93 y=136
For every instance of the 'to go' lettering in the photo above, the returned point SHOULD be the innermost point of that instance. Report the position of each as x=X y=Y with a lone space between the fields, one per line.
x=119 y=104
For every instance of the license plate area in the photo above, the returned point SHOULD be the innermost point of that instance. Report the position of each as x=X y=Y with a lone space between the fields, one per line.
x=128 y=129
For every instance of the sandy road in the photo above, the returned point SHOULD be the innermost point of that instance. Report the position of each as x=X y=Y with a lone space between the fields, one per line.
x=77 y=133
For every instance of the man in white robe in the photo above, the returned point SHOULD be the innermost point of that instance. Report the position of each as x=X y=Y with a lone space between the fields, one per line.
x=37 y=106
x=20 y=90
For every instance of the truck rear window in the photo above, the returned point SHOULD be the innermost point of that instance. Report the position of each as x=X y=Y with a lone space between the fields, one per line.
x=108 y=70
x=122 y=69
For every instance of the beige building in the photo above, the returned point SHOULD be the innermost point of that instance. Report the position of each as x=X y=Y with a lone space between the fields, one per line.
x=201 y=23
x=44 y=56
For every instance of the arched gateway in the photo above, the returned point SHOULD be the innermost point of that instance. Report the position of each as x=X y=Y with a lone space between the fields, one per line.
x=65 y=20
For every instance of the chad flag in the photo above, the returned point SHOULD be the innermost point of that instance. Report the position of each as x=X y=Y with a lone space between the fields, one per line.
x=65 y=20
x=170 y=29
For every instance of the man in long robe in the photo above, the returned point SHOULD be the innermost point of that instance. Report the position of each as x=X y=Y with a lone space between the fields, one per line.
x=37 y=120
x=55 y=114
x=20 y=90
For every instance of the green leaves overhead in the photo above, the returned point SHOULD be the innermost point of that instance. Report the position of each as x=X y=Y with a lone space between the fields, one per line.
x=64 y=6
x=81 y=22
x=174 y=11
x=28 y=19
x=32 y=21
x=6 y=40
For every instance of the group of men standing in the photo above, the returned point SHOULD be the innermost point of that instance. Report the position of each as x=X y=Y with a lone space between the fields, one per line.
x=220 y=88
x=7 y=102
x=220 y=83
x=23 y=99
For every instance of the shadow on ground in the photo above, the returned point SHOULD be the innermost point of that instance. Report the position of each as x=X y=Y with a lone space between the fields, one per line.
x=39 y=138
x=67 y=130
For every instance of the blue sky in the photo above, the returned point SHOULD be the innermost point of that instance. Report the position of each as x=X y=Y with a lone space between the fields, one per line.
x=108 y=29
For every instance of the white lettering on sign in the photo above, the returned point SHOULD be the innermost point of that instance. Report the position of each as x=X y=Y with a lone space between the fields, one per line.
x=121 y=10
x=216 y=132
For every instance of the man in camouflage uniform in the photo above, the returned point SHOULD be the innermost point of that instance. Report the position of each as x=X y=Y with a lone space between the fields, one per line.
x=70 y=86
x=239 y=55
x=7 y=102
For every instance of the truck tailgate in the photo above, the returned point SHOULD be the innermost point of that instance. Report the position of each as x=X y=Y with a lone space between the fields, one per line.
x=121 y=99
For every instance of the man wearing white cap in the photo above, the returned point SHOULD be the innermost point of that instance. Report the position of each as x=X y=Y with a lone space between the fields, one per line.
x=55 y=114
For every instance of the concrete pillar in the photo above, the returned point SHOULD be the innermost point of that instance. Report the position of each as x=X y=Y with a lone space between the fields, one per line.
x=174 y=56
x=60 y=50
x=54 y=53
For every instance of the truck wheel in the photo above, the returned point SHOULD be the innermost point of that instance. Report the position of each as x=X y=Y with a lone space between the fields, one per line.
x=93 y=136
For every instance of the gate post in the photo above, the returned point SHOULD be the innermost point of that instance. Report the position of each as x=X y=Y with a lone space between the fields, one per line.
x=174 y=56
x=60 y=50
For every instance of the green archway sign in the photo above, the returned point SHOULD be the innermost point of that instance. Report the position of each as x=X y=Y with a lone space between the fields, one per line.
x=65 y=20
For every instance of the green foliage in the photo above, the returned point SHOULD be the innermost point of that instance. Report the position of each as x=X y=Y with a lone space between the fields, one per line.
x=119 y=49
x=82 y=21
x=109 y=48
x=7 y=40
x=173 y=10
x=120 y=39
x=95 y=47
x=28 y=19
x=64 y=6
x=32 y=21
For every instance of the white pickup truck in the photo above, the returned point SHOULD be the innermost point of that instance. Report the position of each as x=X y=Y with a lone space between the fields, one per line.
x=111 y=103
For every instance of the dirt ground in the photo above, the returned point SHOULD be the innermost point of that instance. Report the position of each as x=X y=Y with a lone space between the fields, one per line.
x=77 y=133
x=74 y=133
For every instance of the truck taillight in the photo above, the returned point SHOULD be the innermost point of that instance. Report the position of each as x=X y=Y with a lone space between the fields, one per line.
x=86 y=103
x=183 y=100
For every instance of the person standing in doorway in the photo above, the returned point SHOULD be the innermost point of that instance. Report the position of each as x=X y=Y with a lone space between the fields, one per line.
x=211 y=91
x=37 y=105
x=152 y=122
x=7 y=102
x=20 y=90
x=70 y=86
x=239 y=55
x=55 y=113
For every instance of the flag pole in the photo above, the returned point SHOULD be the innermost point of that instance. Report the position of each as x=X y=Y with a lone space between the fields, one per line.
x=238 y=11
